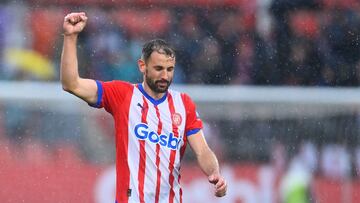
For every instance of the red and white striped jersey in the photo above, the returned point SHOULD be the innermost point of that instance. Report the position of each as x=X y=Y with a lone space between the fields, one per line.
x=151 y=138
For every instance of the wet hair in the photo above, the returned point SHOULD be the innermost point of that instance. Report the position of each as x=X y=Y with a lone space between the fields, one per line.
x=158 y=45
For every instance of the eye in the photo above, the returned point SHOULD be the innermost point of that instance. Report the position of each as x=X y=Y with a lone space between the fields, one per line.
x=158 y=68
x=169 y=69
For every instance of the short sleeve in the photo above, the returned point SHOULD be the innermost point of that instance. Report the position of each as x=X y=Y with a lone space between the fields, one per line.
x=111 y=94
x=193 y=122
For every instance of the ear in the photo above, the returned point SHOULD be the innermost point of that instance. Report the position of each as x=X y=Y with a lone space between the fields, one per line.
x=141 y=65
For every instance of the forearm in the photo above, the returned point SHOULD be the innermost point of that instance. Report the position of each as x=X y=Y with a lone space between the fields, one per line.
x=85 y=89
x=69 y=74
x=208 y=162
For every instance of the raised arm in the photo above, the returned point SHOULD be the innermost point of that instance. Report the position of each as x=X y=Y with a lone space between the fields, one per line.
x=208 y=162
x=71 y=82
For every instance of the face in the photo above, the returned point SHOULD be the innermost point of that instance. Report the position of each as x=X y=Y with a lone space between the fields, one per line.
x=158 y=72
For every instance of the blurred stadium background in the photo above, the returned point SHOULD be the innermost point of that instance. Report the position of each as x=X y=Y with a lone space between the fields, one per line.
x=276 y=82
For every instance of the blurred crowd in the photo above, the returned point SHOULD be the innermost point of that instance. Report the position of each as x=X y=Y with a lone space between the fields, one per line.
x=263 y=42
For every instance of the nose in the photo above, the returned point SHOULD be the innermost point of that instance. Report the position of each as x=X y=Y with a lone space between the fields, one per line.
x=164 y=75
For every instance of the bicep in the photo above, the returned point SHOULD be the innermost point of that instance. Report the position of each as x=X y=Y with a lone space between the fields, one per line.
x=198 y=143
x=86 y=89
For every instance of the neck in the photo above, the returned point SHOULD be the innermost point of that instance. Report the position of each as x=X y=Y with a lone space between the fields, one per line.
x=152 y=93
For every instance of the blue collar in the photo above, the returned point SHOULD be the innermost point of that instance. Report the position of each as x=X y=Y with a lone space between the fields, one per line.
x=152 y=100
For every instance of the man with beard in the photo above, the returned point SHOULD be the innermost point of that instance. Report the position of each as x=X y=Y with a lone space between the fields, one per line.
x=153 y=123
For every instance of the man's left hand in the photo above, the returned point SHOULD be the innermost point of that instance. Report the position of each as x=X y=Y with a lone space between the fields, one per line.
x=220 y=184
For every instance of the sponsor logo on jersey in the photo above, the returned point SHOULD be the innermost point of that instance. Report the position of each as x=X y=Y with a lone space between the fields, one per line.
x=143 y=132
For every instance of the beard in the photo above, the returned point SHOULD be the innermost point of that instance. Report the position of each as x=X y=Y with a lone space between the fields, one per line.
x=157 y=86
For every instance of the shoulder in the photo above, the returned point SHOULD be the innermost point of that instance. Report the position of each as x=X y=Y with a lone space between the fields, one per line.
x=186 y=99
x=175 y=93
x=118 y=84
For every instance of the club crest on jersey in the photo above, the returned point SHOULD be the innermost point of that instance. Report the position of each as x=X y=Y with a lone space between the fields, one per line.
x=176 y=119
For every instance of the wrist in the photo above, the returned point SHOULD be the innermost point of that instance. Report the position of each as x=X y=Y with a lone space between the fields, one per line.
x=214 y=173
x=70 y=35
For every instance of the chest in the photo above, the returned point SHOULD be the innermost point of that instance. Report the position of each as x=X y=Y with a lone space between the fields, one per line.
x=162 y=124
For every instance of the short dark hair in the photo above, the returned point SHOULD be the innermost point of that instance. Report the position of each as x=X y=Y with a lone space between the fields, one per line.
x=159 y=45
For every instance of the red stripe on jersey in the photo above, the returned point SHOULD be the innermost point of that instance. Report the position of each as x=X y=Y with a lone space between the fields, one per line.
x=180 y=189
x=142 y=160
x=123 y=171
x=173 y=152
x=158 y=174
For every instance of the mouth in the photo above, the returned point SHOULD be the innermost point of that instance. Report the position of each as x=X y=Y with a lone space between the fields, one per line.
x=162 y=83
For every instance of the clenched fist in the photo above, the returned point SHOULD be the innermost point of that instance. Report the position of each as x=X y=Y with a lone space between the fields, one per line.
x=219 y=183
x=74 y=23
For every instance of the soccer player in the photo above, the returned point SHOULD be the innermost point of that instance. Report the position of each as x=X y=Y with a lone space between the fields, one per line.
x=153 y=123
